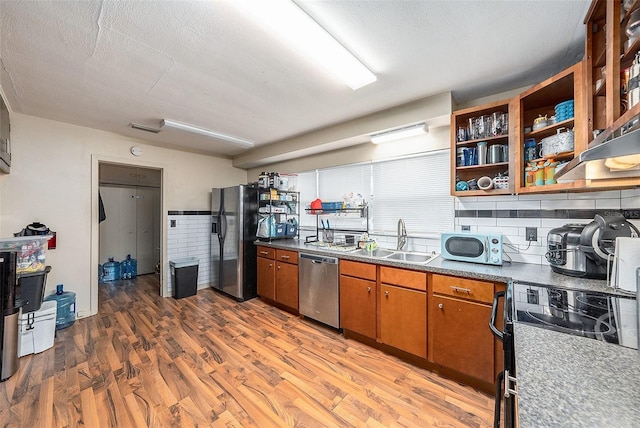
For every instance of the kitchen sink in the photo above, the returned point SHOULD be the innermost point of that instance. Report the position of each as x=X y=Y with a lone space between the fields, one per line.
x=378 y=252
x=411 y=257
x=402 y=256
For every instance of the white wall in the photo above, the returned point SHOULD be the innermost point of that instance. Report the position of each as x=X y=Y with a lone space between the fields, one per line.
x=51 y=181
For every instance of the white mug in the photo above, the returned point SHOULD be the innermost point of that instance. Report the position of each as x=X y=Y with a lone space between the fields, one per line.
x=485 y=183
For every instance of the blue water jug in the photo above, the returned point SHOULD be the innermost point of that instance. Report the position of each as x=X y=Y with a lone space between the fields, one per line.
x=111 y=270
x=100 y=274
x=65 y=307
x=133 y=266
x=129 y=267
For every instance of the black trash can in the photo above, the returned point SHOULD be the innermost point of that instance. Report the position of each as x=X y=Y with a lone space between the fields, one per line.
x=184 y=277
x=31 y=288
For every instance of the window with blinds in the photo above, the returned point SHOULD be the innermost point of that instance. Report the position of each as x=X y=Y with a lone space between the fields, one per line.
x=415 y=189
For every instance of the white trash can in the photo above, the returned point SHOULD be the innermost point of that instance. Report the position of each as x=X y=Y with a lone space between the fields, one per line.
x=37 y=329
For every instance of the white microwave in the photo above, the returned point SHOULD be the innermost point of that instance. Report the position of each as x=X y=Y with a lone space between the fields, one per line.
x=471 y=247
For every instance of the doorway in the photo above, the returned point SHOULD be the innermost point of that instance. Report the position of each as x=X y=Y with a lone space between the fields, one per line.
x=130 y=221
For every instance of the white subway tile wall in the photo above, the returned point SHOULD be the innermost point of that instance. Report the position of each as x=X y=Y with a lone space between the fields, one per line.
x=191 y=237
x=513 y=229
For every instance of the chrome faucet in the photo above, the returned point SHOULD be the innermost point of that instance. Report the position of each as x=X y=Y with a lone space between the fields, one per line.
x=402 y=234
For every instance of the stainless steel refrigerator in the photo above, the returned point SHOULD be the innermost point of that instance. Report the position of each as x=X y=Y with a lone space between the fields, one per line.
x=234 y=212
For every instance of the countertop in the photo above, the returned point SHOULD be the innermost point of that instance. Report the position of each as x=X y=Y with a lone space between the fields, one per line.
x=521 y=272
x=572 y=381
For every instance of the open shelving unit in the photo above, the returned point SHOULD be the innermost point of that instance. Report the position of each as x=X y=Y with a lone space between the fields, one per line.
x=284 y=207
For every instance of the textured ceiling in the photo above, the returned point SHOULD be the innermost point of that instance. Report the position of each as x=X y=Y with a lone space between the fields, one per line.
x=105 y=64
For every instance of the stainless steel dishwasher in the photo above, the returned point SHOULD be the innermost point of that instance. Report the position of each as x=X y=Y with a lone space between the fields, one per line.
x=319 y=288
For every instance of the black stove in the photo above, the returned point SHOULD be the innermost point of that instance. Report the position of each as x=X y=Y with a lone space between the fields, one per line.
x=596 y=315
x=600 y=316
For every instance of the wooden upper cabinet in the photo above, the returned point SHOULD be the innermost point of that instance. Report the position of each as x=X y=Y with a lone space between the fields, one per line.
x=542 y=100
x=475 y=127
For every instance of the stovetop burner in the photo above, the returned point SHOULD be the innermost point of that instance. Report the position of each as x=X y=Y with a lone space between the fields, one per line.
x=600 y=316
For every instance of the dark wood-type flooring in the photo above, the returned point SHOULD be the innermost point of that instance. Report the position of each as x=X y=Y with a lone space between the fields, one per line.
x=206 y=360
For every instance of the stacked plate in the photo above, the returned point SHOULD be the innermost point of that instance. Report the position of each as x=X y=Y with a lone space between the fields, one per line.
x=564 y=111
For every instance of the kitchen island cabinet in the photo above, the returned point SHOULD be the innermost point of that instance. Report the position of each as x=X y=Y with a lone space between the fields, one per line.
x=358 y=291
x=278 y=276
x=459 y=309
x=403 y=310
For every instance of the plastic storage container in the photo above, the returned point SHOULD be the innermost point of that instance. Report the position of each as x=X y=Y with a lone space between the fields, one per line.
x=184 y=277
x=66 y=307
x=37 y=329
x=32 y=286
x=111 y=270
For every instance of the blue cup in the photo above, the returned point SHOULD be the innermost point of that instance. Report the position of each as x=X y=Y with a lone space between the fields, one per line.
x=462 y=185
x=470 y=156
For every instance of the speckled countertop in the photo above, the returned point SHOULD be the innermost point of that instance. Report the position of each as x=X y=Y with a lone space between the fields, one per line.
x=572 y=381
x=563 y=380
x=524 y=272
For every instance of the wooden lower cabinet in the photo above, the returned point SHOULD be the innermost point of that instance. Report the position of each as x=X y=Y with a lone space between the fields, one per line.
x=278 y=276
x=287 y=284
x=358 y=305
x=403 y=319
x=459 y=334
x=266 y=280
x=459 y=337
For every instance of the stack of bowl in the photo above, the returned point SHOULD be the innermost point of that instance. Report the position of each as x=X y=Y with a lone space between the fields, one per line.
x=564 y=111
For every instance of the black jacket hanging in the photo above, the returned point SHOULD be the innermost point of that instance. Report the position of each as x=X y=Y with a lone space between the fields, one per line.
x=102 y=216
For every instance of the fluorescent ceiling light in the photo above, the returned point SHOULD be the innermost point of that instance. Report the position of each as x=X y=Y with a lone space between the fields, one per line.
x=206 y=132
x=400 y=133
x=145 y=128
x=307 y=36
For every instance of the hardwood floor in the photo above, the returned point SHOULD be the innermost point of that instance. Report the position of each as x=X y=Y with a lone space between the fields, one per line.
x=206 y=360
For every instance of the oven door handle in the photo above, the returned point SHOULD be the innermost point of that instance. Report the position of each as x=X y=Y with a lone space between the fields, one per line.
x=494 y=311
x=498 y=400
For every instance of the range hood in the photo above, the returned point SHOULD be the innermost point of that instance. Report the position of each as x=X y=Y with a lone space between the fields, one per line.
x=616 y=158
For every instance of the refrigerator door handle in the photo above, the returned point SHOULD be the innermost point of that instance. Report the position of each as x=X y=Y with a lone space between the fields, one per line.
x=223 y=227
x=494 y=311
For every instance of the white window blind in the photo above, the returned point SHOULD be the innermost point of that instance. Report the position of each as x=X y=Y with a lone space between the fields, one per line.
x=334 y=184
x=307 y=185
x=350 y=184
x=415 y=189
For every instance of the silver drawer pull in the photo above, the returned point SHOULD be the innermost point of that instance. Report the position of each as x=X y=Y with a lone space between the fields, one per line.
x=368 y=289
x=264 y=252
x=460 y=289
x=386 y=293
x=440 y=305
x=284 y=257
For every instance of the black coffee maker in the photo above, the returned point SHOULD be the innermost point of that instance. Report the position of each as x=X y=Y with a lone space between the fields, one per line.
x=9 y=312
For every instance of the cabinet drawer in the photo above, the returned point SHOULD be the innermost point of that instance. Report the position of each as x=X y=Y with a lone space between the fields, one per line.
x=358 y=270
x=266 y=252
x=403 y=278
x=471 y=289
x=287 y=256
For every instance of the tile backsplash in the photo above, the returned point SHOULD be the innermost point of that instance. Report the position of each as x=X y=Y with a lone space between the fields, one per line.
x=511 y=215
x=189 y=235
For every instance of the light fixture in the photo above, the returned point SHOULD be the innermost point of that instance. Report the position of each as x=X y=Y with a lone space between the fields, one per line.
x=308 y=37
x=145 y=128
x=399 y=133
x=206 y=132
